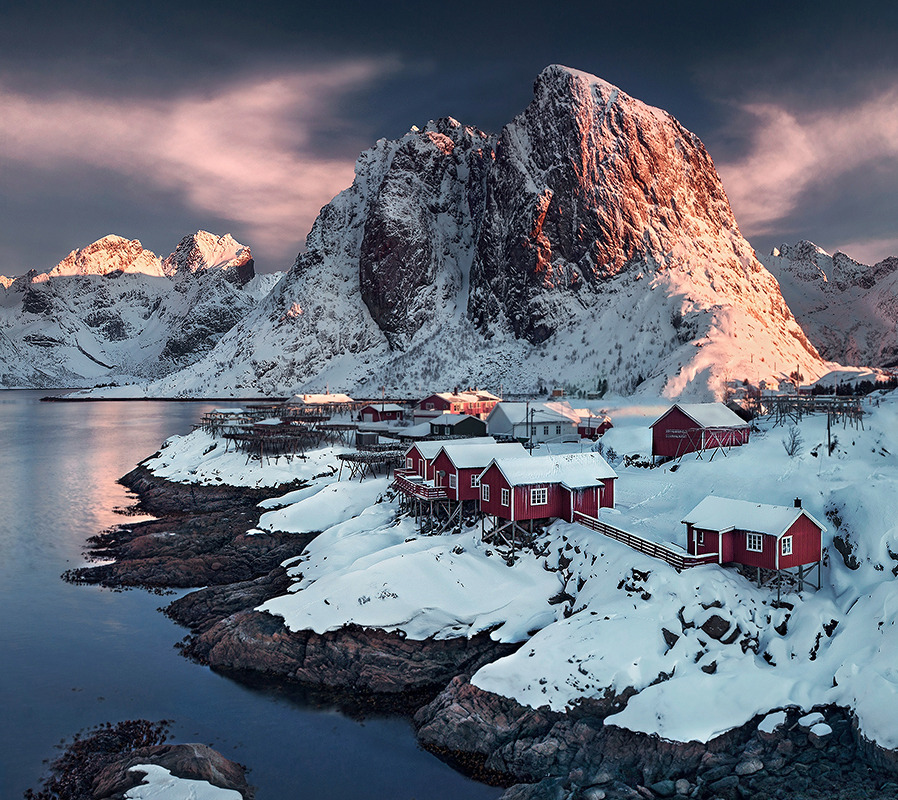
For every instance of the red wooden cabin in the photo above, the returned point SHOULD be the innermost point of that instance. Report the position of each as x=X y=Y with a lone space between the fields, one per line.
x=458 y=465
x=380 y=412
x=419 y=457
x=593 y=427
x=546 y=487
x=754 y=534
x=692 y=427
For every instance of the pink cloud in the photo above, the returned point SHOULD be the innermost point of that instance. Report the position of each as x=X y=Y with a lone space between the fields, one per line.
x=243 y=153
x=792 y=153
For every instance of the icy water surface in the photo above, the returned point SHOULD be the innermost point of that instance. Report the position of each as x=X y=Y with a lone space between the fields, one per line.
x=76 y=656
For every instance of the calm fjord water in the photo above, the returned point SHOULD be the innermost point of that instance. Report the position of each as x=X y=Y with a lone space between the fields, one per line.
x=76 y=656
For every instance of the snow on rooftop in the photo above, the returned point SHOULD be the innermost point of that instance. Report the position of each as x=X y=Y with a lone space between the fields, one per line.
x=384 y=406
x=708 y=415
x=468 y=456
x=430 y=448
x=574 y=470
x=537 y=412
x=724 y=514
x=450 y=419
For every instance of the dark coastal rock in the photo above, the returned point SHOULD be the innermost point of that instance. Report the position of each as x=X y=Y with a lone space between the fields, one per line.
x=192 y=761
x=360 y=660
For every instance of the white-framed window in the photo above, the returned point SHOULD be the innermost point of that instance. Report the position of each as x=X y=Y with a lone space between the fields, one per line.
x=485 y=492
x=453 y=480
x=539 y=497
x=475 y=481
x=754 y=542
x=428 y=406
x=439 y=477
x=506 y=497
x=545 y=430
x=409 y=464
x=699 y=537
x=558 y=429
x=786 y=547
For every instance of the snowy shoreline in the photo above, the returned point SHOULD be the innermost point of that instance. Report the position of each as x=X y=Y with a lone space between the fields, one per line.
x=697 y=656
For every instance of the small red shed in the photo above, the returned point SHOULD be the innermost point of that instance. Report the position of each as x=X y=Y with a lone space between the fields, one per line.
x=754 y=534
x=380 y=412
x=593 y=427
x=692 y=427
x=546 y=487
x=458 y=465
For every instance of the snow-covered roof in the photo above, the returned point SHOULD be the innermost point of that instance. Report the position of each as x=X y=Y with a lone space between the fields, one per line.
x=470 y=456
x=707 y=415
x=725 y=514
x=517 y=413
x=450 y=419
x=416 y=431
x=383 y=407
x=430 y=448
x=573 y=470
x=320 y=399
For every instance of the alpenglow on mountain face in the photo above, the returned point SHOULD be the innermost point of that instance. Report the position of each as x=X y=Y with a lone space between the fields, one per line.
x=591 y=240
x=113 y=311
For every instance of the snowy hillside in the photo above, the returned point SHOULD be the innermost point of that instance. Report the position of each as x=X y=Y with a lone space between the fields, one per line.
x=592 y=240
x=848 y=310
x=704 y=650
x=114 y=310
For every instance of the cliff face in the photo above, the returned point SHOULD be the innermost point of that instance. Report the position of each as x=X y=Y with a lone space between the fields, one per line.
x=113 y=311
x=590 y=242
x=849 y=310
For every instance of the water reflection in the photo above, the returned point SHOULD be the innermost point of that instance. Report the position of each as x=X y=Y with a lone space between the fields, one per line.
x=75 y=656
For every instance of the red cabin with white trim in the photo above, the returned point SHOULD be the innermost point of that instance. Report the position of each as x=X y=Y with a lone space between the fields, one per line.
x=459 y=466
x=754 y=534
x=380 y=412
x=420 y=456
x=547 y=487
x=692 y=427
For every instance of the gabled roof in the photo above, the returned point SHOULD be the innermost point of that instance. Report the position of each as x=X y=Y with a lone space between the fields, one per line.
x=451 y=419
x=516 y=413
x=707 y=415
x=383 y=407
x=430 y=448
x=572 y=470
x=725 y=514
x=479 y=455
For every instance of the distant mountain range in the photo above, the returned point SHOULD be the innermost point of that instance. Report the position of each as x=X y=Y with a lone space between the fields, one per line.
x=114 y=311
x=590 y=242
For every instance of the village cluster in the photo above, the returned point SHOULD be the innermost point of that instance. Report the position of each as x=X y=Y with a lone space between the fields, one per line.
x=462 y=457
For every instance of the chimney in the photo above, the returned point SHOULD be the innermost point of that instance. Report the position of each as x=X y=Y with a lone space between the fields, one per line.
x=797 y=502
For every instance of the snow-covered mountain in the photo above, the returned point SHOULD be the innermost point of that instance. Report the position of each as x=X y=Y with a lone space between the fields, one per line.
x=114 y=310
x=849 y=310
x=591 y=240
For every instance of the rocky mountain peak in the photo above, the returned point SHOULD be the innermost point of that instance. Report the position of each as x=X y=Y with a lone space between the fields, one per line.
x=203 y=251
x=107 y=255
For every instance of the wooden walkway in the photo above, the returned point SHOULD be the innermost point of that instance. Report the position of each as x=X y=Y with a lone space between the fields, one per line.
x=676 y=557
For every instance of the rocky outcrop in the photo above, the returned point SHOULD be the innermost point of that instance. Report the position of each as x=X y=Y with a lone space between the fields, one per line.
x=578 y=755
x=849 y=310
x=594 y=228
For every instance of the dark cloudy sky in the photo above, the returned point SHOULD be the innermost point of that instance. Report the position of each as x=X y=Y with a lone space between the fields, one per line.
x=152 y=120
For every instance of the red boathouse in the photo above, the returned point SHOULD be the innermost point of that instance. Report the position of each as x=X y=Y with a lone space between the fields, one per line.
x=457 y=467
x=693 y=427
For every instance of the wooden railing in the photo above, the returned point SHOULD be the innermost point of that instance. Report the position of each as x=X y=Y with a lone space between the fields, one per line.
x=416 y=488
x=676 y=558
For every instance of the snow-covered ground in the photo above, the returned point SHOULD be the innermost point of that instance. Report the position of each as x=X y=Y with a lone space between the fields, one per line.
x=160 y=784
x=837 y=645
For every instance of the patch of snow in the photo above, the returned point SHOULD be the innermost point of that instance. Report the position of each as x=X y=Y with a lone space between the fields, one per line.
x=160 y=784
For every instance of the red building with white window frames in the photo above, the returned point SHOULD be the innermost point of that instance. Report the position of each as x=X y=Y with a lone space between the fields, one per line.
x=546 y=487
x=693 y=427
x=476 y=402
x=754 y=534
x=380 y=412
x=461 y=464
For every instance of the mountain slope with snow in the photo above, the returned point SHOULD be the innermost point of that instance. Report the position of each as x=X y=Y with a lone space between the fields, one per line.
x=591 y=240
x=849 y=310
x=114 y=310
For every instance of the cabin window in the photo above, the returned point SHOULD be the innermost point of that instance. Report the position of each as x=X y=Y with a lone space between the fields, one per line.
x=699 y=537
x=754 y=542
x=558 y=429
x=545 y=430
x=475 y=481
x=539 y=497
x=506 y=497
x=428 y=406
x=453 y=481
x=439 y=478
x=786 y=546
x=485 y=492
